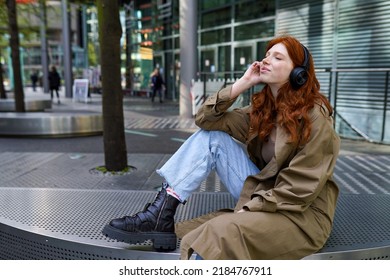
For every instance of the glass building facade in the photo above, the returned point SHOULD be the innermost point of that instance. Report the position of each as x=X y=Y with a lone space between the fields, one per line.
x=30 y=42
x=347 y=38
x=231 y=33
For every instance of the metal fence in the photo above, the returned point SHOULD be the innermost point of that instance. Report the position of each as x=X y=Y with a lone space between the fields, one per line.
x=359 y=97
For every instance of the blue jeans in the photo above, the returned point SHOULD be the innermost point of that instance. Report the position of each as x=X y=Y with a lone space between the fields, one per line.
x=203 y=152
x=157 y=91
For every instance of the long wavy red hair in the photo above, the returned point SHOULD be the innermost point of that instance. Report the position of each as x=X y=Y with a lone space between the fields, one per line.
x=291 y=107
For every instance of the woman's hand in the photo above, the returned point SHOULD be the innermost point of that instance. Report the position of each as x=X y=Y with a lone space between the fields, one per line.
x=252 y=74
x=250 y=78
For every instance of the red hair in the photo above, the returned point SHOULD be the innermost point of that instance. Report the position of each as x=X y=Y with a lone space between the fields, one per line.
x=291 y=107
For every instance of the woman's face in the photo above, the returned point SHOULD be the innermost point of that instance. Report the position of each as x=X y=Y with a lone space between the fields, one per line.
x=276 y=66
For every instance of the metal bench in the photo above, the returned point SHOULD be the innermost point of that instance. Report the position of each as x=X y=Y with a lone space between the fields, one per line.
x=31 y=105
x=66 y=224
x=51 y=124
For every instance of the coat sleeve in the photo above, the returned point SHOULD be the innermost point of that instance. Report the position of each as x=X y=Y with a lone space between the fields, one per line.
x=214 y=115
x=300 y=183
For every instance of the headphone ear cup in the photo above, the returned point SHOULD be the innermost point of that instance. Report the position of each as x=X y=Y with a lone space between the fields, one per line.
x=298 y=77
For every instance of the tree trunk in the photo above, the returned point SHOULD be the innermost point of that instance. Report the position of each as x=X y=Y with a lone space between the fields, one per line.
x=15 y=56
x=110 y=32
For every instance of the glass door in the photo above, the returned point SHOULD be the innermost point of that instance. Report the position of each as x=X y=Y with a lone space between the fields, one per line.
x=207 y=62
x=158 y=62
x=243 y=57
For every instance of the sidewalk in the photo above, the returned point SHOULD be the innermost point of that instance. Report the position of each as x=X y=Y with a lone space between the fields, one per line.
x=137 y=109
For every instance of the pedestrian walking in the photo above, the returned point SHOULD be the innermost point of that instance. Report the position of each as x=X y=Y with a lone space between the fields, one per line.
x=54 y=83
x=157 y=84
x=34 y=80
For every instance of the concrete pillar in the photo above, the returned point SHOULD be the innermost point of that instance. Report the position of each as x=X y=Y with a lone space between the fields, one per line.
x=68 y=77
x=188 y=53
x=85 y=34
x=44 y=46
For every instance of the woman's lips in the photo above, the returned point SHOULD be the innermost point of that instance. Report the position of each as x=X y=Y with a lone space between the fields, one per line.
x=264 y=69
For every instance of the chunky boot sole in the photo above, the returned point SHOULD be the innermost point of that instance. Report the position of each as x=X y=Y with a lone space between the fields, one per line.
x=162 y=241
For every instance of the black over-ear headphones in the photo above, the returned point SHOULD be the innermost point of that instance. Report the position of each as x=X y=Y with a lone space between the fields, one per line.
x=298 y=75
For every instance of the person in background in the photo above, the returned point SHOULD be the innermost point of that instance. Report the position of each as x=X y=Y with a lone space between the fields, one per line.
x=54 y=83
x=34 y=80
x=282 y=184
x=157 y=84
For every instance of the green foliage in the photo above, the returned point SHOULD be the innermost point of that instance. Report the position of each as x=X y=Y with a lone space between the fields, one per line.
x=3 y=18
x=92 y=55
x=103 y=170
x=25 y=13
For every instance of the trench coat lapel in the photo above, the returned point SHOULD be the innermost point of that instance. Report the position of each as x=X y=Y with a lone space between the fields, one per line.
x=284 y=151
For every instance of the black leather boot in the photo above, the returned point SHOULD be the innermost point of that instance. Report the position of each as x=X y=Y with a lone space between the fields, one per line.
x=155 y=222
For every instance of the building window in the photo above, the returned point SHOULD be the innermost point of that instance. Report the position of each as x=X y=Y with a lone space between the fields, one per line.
x=210 y=4
x=254 y=9
x=215 y=36
x=216 y=17
x=256 y=30
x=224 y=58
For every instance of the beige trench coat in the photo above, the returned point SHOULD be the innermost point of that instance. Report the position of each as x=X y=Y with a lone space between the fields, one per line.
x=291 y=202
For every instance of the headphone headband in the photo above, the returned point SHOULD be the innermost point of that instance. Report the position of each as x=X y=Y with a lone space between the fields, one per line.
x=306 y=54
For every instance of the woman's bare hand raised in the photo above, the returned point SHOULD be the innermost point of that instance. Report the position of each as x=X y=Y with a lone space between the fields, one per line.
x=250 y=78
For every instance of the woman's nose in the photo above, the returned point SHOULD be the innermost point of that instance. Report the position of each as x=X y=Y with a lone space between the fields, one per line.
x=265 y=60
